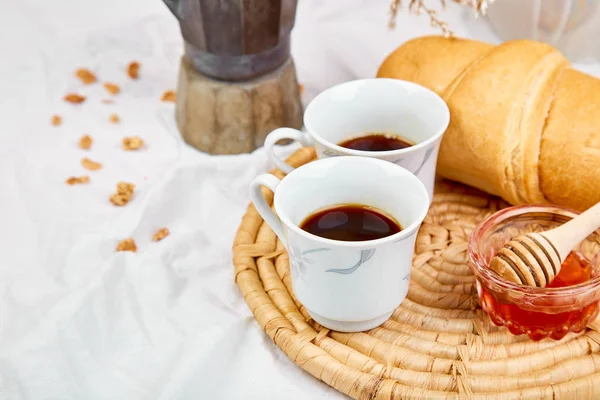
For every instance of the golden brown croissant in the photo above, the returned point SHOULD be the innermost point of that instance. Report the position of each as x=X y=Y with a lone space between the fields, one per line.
x=524 y=125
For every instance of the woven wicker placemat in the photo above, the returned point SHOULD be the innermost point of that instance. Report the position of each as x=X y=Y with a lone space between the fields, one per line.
x=438 y=344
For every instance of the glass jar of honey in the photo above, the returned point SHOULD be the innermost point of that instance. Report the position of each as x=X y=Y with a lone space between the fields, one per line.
x=568 y=304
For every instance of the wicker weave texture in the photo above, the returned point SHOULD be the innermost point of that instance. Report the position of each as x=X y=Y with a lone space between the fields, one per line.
x=438 y=344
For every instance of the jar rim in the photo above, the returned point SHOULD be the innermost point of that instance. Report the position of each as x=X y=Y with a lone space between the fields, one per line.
x=481 y=271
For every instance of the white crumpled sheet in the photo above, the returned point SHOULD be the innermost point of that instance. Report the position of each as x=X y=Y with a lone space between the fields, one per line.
x=77 y=319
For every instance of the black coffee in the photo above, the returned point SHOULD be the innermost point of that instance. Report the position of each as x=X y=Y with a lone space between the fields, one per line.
x=350 y=223
x=376 y=142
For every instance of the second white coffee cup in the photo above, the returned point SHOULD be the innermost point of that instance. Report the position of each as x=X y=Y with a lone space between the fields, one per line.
x=373 y=105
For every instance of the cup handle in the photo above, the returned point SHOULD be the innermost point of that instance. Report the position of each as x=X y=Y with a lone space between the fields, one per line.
x=261 y=205
x=280 y=134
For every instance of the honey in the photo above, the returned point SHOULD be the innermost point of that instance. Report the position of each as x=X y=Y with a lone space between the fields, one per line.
x=575 y=270
x=539 y=324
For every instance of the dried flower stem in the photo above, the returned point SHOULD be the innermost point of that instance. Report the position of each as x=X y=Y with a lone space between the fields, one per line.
x=418 y=6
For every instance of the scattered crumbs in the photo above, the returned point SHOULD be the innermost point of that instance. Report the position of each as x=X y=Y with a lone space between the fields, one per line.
x=112 y=88
x=74 y=98
x=85 y=142
x=114 y=118
x=169 y=95
x=78 y=180
x=132 y=143
x=300 y=88
x=123 y=194
x=160 y=235
x=133 y=69
x=127 y=245
x=86 y=76
x=56 y=120
x=90 y=165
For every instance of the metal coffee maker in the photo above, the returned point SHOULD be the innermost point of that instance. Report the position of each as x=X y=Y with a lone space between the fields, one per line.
x=237 y=80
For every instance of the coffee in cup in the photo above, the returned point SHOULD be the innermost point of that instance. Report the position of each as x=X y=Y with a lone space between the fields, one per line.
x=376 y=141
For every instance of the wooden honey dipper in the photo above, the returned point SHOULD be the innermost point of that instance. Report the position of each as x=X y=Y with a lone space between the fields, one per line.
x=535 y=259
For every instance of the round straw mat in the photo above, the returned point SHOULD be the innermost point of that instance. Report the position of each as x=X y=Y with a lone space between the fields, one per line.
x=438 y=344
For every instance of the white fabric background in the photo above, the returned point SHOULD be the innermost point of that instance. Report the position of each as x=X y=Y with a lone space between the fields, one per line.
x=77 y=319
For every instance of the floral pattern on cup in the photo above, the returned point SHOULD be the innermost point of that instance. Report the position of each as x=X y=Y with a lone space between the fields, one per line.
x=365 y=255
x=427 y=155
x=299 y=260
x=330 y=153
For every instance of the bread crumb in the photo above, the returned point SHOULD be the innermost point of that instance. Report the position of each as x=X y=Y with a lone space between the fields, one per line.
x=112 y=88
x=160 y=235
x=74 y=98
x=114 y=118
x=90 y=165
x=300 y=88
x=127 y=245
x=85 y=142
x=169 y=95
x=78 y=180
x=123 y=194
x=86 y=76
x=56 y=120
x=133 y=69
x=132 y=143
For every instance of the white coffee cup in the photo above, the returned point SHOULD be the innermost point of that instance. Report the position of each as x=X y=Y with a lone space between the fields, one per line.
x=346 y=286
x=390 y=106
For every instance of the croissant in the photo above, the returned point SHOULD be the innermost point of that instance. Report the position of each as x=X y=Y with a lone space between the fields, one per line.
x=524 y=125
